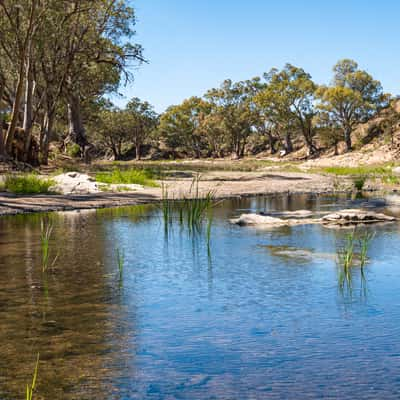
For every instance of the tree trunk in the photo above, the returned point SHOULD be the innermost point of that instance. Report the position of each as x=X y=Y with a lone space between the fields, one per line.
x=45 y=136
x=28 y=109
x=2 y=147
x=15 y=110
x=347 y=139
x=77 y=131
x=138 y=149
x=289 y=144
x=272 y=142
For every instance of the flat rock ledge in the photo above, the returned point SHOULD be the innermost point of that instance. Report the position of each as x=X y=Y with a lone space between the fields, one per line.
x=353 y=217
x=339 y=218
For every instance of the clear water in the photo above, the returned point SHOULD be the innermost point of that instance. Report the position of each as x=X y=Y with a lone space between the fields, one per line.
x=260 y=316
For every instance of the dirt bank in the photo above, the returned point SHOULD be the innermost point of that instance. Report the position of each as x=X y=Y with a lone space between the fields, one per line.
x=224 y=184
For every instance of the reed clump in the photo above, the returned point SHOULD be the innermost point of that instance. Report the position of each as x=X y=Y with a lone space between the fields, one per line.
x=46 y=231
x=121 y=263
x=356 y=248
x=193 y=210
x=31 y=388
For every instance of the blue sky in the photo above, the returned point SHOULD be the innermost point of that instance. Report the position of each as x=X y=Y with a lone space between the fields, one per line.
x=194 y=45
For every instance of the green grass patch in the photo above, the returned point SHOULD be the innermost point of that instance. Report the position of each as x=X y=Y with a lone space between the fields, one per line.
x=27 y=184
x=363 y=170
x=129 y=176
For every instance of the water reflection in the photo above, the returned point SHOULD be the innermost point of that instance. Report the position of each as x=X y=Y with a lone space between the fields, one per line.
x=258 y=316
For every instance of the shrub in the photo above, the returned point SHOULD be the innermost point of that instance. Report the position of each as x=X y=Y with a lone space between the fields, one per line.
x=27 y=184
x=74 y=150
x=359 y=183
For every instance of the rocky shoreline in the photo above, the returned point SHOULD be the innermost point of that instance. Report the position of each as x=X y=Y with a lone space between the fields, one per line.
x=224 y=184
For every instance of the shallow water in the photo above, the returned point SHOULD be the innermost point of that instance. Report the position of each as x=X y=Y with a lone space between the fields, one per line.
x=259 y=316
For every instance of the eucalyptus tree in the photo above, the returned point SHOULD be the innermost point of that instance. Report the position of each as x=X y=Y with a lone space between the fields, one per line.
x=63 y=51
x=353 y=97
x=20 y=21
x=180 y=126
x=288 y=101
x=143 y=120
x=232 y=101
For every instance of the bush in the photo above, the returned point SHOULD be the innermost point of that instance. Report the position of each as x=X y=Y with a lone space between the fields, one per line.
x=27 y=184
x=359 y=183
x=74 y=150
x=130 y=176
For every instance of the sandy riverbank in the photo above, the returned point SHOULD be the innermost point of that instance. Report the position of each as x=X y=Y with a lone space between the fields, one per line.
x=224 y=184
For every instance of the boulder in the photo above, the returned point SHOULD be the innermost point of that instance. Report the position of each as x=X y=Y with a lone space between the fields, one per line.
x=257 y=219
x=396 y=171
x=354 y=217
x=74 y=183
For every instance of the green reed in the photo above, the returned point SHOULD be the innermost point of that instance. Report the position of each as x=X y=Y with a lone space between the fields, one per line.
x=31 y=388
x=121 y=263
x=197 y=205
x=46 y=231
x=354 y=244
x=166 y=205
x=364 y=244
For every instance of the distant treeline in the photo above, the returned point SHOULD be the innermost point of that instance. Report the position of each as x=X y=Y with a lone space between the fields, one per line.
x=60 y=59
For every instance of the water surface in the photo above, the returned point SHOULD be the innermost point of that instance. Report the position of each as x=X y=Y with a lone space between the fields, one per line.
x=259 y=315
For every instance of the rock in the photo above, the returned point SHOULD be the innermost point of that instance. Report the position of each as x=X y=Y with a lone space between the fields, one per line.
x=354 y=216
x=297 y=213
x=339 y=218
x=257 y=219
x=74 y=183
x=396 y=171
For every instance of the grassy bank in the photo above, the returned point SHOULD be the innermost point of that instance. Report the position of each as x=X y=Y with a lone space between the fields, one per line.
x=143 y=177
x=26 y=184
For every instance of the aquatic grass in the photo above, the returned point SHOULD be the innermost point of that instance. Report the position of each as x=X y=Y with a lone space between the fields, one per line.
x=129 y=176
x=121 y=263
x=166 y=206
x=27 y=184
x=31 y=388
x=347 y=252
x=346 y=256
x=46 y=231
x=209 y=226
x=364 y=244
x=196 y=205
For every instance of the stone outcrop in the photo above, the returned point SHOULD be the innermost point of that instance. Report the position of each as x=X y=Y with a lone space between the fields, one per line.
x=75 y=183
x=339 y=218
x=354 y=217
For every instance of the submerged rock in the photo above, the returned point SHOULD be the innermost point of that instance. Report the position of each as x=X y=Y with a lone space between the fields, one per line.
x=354 y=216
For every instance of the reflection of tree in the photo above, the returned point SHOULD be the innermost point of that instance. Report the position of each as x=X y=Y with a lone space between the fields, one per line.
x=78 y=329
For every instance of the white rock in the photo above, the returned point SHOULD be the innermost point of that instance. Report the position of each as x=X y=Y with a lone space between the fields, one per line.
x=396 y=171
x=257 y=219
x=74 y=183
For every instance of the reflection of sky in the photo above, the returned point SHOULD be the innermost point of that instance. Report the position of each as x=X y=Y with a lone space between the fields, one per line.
x=252 y=320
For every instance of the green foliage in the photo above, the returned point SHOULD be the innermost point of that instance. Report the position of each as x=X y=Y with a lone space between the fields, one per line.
x=354 y=97
x=121 y=263
x=131 y=176
x=27 y=184
x=359 y=183
x=347 y=257
x=362 y=170
x=31 y=388
x=74 y=150
x=46 y=230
